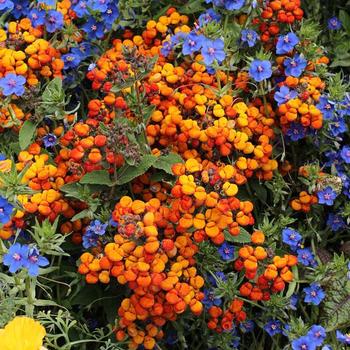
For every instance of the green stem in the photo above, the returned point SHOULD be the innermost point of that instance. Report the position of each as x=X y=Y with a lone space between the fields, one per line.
x=30 y=292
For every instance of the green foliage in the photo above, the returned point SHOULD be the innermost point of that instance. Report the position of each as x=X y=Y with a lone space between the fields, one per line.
x=26 y=134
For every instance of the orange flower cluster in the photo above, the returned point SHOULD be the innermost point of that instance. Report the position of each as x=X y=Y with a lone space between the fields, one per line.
x=220 y=320
x=157 y=237
x=45 y=179
x=205 y=201
x=85 y=149
x=303 y=202
x=302 y=110
x=26 y=53
x=264 y=277
x=157 y=266
x=277 y=13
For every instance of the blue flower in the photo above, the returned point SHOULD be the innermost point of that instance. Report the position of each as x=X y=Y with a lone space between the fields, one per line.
x=53 y=21
x=16 y=257
x=83 y=50
x=37 y=17
x=247 y=326
x=293 y=301
x=232 y=5
x=327 y=195
x=326 y=107
x=226 y=251
x=220 y=276
x=314 y=294
x=210 y=299
x=93 y=28
x=111 y=14
x=343 y=338
x=317 y=334
x=345 y=106
x=71 y=60
x=334 y=23
x=273 y=327
x=213 y=50
x=286 y=43
x=296 y=132
x=5 y=210
x=291 y=237
x=90 y=240
x=98 y=5
x=97 y=227
x=192 y=43
x=34 y=261
x=209 y=16
x=12 y=84
x=326 y=347
x=49 y=140
x=335 y=222
x=337 y=126
x=249 y=36
x=333 y=159
x=345 y=154
x=20 y=9
x=260 y=70
x=6 y=5
x=81 y=9
x=295 y=66
x=306 y=257
x=284 y=95
x=166 y=48
x=303 y=343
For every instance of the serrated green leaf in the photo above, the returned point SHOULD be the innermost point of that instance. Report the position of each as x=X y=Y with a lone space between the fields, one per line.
x=167 y=161
x=97 y=177
x=127 y=173
x=26 y=134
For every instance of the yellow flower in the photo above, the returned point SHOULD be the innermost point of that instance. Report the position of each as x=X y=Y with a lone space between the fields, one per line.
x=5 y=165
x=22 y=333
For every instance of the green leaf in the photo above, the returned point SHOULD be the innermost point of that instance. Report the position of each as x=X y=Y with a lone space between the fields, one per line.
x=192 y=7
x=86 y=213
x=127 y=173
x=243 y=237
x=26 y=134
x=72 y=189
x=345 y=19
x=167 y=161
x=292 y=285
x=53 y=90
x=341 y=63
x=97 y=177
x=147 y=112
x=259 y=190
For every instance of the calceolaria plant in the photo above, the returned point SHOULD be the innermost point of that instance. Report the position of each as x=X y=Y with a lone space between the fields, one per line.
x=174 y=175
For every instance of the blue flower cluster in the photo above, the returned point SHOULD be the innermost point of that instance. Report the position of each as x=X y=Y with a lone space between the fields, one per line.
x=293 y=239
x=94 y=231
x=24 y=256
x=211 y=50
x=314 y=338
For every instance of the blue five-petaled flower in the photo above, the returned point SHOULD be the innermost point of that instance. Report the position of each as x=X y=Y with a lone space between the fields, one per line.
x=260 y=70
x=12 y=84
